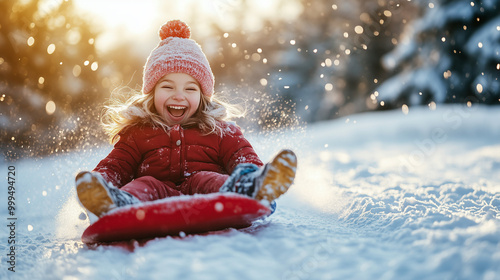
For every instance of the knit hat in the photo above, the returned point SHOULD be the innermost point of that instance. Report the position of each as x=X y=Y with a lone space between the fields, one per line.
x=176 y=53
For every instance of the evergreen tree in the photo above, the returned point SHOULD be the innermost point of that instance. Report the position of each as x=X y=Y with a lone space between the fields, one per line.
x=450 y=55
x=321 y=65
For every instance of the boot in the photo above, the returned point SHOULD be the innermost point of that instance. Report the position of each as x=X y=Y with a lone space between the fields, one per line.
x=99 y=197
x=265 y=183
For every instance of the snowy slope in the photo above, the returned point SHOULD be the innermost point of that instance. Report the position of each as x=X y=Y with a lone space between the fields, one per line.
x=377 y=196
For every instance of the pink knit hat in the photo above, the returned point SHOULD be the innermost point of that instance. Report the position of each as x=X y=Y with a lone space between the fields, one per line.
x=176 y=53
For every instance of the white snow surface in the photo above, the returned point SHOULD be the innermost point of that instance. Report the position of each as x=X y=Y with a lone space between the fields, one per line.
x=378 y=195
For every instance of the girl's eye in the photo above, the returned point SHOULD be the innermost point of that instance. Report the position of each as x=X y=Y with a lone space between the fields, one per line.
x=192 y=89
x=167 y=87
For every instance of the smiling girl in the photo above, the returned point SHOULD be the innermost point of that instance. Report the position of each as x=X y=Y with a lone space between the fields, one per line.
x=177 y=96
x=173 y=138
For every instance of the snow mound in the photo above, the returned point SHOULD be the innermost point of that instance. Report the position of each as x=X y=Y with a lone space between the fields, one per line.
x=377 y=196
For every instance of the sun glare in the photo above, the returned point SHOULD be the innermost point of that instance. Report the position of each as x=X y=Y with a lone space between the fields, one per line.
x=119 y=20
x=133 y=15
x=135 y=21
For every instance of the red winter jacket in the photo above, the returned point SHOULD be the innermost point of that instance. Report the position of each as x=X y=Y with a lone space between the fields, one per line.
x=174 y=155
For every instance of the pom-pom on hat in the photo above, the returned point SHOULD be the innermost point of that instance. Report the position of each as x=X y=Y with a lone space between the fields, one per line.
x=176 y=53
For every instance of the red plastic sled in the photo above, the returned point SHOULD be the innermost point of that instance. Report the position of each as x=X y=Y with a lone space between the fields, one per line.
x=176 y=215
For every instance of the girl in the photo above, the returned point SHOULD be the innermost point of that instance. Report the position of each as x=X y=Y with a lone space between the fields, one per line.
x=172 y=139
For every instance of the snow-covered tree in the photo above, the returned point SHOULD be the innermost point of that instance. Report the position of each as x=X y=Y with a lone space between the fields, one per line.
x=450 y=54
x=326 y=61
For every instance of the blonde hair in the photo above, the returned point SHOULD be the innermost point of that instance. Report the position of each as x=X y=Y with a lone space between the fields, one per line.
x=128 y=107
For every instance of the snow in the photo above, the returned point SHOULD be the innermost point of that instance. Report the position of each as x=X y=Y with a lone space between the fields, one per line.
x=426 y=78
x=379 y=195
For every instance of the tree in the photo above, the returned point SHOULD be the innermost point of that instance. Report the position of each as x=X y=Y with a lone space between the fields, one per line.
x=323 y=64
x=48 y=76
x=451 y=55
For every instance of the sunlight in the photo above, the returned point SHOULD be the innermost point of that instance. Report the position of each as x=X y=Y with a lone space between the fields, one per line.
x=132 y=15
x=120 y=20
x=315 y=185
x=134 y=21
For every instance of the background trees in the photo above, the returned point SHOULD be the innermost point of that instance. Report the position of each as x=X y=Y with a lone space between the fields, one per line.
x=327 y=59
x=450 y=54
x=48 y=77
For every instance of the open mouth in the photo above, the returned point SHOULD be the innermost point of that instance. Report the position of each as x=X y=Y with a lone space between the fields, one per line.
x=176 y=111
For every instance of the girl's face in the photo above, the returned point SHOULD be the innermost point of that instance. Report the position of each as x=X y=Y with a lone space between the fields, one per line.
x=177 y=97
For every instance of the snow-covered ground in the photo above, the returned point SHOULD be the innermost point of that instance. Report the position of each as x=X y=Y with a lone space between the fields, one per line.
x=378 y=196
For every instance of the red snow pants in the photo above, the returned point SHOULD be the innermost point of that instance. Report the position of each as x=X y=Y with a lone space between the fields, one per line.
x=148 y=188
